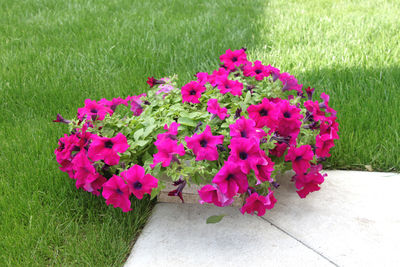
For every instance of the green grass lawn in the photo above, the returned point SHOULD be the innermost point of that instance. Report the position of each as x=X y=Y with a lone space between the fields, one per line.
x=54 y=54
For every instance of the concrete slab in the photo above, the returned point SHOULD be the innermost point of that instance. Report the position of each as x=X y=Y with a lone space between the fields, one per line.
x=354 y=220
x=177 y=235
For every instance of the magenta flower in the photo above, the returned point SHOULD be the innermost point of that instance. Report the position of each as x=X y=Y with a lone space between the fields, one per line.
x=279 y=150
x=167 y=151
x=310 y=92
x=65 y=147
x=83 y=168
x=314 y=108
x=114 y=103
x=191 y=92
x=204 y=145
x=86 y=175
x=214 y=108
x=212 y=195
x=171 y=133
x=231 y=180
x=229 y=86
x=258 y=70
x=107 y=149
x=233 y=59
x=309 y=182
x=289 y=120
x=94 y=111
x=135 y=102
x=116 y=193
x=300 y=158
x=290 y=83
x=275 y=72
x=139 y=183
x=218 y=75
x=329 y=126
x=244 y=128
x=151 y=81
x=263 y=171
x=325 y=104
x=202 y=77
x=323 y=143
x=258 y=203
x=264 y=114
x=246 y=153
x=61 y=119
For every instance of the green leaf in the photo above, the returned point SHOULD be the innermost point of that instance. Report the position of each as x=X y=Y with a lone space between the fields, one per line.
x=142 y=143
x=215 y=218
x=187 y=121
x=138 y=134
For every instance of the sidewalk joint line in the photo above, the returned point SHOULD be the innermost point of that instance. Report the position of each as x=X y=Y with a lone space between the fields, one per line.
x=301 y=242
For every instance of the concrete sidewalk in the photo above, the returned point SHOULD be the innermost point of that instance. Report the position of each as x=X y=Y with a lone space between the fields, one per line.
x=354 y=220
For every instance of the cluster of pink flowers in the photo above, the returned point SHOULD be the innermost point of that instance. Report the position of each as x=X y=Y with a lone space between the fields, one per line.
x=259 y=134
x=274 y=118
x=82 y=153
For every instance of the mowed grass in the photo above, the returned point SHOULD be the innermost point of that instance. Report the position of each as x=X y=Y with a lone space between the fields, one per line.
x=350 y=50
x=54 y=54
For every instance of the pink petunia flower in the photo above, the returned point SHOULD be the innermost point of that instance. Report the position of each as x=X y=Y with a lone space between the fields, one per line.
x=171 y=133
x=323 y=143
x=231 y=180
x=300 y=158
x=139 y=183
x=151 y=81
x=329 y=126
x=83 y=168
x=93 y=110
x=314 y=108
x=245 y=128
x=213 y=195
x=214 y=108
x=258 y=203
x=114 y=103
x=218 y=75
x=279 y=150
x=86 y=175
x=263 y=171
x=290 y=83
x=204 y=145
x=116 y=193
x=325 y=104
x=289 y=120
x=310 y=92
x=309 y=182
x=202 y=77
x=61 y=119
x=258 y=70
x=107 y=149
x=136 y=105
x=264 y=114
x=275 y=72
x=65 y=147
x=191 y=92
x=233 y=59
x=246 y=153
x=167 y=151
x=230 y=86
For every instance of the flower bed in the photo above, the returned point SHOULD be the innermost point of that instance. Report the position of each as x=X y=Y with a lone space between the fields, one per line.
x=231 y=131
